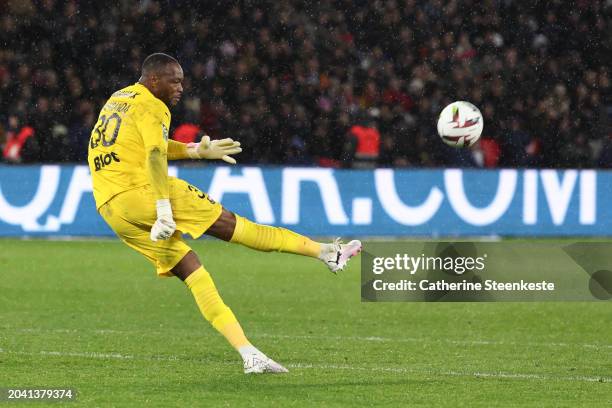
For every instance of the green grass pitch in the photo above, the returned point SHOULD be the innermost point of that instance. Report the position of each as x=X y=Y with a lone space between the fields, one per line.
x=92 y=315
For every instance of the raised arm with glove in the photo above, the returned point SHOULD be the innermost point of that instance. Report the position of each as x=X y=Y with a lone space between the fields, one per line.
x=207 y=149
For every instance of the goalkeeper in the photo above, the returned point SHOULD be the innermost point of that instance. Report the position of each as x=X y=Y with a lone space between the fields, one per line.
x=128 y=157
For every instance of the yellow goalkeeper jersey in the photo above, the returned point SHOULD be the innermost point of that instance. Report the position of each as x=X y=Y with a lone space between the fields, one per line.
x=131 y=122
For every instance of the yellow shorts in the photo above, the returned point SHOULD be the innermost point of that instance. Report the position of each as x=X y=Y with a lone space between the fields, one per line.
x=132 y=213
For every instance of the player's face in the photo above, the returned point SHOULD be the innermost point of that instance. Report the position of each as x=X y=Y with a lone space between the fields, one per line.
x=170 y=85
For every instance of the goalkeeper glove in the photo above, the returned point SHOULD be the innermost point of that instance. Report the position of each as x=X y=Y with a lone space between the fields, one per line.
x=164 y=226
x=214 y=149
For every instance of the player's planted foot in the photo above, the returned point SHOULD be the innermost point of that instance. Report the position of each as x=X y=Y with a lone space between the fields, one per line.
x=256 y=362
x=260 y=364
x=336 y=255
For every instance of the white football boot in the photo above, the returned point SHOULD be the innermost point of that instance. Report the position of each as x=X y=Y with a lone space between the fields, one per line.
x=337 y=254
x=259 y=363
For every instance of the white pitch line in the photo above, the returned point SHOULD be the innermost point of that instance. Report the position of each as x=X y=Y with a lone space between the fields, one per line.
x=475 y=342
x=500 y=374
x=432 y=340
x=399 y=370
x=115 y=356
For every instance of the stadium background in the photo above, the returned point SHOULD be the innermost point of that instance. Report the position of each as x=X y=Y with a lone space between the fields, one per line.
x=330 y=85
x=291 y=79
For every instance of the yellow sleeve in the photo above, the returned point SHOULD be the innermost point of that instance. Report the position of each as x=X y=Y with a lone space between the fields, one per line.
x=154 y=135
x=177 y=150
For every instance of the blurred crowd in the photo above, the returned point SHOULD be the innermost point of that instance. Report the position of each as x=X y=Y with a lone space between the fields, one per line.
x=340 y=83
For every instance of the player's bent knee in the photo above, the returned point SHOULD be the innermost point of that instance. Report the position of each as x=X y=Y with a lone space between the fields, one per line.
x=186 y=266
x=223 y=228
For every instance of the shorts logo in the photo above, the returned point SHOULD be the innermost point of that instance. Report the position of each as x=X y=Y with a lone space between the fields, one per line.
x=200 y=194
x=165 y=132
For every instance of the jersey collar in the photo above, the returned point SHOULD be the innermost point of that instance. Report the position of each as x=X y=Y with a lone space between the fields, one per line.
x=144 y=89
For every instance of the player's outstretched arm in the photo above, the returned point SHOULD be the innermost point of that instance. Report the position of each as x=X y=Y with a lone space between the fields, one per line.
x=206 y=149
x=177 y=150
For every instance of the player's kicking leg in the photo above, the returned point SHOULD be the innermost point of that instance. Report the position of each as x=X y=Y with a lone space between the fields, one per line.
x=237 y=229
x=198 y=280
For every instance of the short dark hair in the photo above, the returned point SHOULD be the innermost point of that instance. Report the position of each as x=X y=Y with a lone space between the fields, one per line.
x=154 y=62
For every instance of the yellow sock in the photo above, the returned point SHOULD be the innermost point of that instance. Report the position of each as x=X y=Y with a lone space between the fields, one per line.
x=267 y=238
x=214 y=310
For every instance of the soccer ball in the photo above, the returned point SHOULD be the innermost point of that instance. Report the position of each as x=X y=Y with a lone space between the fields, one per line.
x=460 y=124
